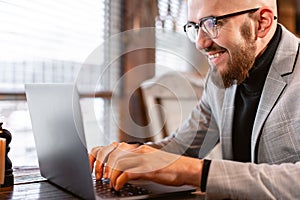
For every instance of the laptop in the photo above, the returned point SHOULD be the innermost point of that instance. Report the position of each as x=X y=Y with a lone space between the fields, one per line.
x=61 y=147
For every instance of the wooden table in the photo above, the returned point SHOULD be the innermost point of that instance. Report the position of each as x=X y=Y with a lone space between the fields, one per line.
x=30 y=185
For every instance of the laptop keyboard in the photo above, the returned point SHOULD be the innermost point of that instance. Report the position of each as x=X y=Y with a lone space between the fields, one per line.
x=128 y=190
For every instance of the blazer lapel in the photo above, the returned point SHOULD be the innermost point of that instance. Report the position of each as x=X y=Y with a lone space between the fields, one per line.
x=227 y=119
x=273 y=88
x=282 y=66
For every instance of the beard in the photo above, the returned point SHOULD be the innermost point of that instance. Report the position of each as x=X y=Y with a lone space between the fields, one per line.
x=243 y=58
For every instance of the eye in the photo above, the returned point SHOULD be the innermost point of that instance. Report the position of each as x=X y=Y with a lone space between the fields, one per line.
x=190 y=25
x=209 y=23
x=221 y=22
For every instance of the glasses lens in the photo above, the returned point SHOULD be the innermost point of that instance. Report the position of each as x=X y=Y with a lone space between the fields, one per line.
x=209 y=26
x=191 y=32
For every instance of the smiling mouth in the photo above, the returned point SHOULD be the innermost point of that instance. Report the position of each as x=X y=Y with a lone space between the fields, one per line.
x=212 y=56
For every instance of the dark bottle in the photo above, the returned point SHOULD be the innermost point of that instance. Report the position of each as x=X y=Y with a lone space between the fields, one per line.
x=9 y=177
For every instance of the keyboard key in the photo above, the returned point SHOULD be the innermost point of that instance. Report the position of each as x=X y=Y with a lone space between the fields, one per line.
x=128 y=190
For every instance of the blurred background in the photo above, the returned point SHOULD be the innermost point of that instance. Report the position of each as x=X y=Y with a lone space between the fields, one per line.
x=48 y=41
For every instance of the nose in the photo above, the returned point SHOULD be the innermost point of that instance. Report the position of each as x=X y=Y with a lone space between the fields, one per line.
x=203 y=40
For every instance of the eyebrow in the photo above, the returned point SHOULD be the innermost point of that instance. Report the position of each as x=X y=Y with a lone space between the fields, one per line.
x=192 y=22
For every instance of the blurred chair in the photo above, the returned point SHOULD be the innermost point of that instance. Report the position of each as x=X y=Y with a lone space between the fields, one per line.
x=169 y=99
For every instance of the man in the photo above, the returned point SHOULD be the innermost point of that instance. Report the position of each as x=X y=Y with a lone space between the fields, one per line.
x=256 y=114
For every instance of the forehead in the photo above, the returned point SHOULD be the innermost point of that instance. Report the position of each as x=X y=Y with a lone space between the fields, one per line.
x=198 y=9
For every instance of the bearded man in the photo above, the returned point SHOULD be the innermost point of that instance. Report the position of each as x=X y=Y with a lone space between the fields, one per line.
x=250 y=105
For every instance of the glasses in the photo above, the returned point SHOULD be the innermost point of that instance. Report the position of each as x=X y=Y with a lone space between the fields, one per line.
x=209 y=25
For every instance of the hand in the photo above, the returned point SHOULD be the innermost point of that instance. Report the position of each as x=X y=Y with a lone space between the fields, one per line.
x=145 y=162
x=99 y=155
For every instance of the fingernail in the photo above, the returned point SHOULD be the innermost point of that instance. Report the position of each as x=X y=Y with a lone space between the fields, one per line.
x=117 y=188
x=98 y=176
x=105 y=175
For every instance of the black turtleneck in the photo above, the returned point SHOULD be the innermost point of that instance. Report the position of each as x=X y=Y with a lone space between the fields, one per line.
x=246 y=101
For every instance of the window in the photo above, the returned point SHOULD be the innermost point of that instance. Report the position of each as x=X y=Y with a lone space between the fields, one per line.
x=47 y=41
x=174 y=52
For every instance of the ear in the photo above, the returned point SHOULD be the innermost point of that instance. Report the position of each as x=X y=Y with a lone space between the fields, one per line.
x=265 y=20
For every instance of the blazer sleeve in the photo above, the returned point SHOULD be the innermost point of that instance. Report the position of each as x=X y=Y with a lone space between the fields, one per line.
x=198 y=134
x=234 y=180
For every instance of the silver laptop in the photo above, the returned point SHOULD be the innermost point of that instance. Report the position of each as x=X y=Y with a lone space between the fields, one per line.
x=61 y=147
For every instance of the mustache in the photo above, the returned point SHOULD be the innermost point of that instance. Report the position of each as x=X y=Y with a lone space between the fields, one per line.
x=212 y=48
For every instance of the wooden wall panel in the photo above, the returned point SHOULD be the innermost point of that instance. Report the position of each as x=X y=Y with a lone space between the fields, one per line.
x=136 y=14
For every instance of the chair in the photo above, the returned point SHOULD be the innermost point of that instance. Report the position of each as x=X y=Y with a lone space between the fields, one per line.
x=169 y=100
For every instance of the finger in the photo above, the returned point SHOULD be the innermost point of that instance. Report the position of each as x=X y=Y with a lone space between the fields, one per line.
x=101 y=156
x=93 y=155
x=95 y=150
x=120 y=169
x=113 y=177
x=92 y=159
x=123 y=160
x=110 y=164
x=121 y=150
x=120 y=181
x=126 y=176
x=119 y=178
x=98 y=169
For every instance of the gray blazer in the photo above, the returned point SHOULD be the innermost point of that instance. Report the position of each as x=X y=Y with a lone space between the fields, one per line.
x=274 y=172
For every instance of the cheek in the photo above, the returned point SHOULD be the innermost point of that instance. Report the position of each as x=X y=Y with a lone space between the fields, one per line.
x=228 y=48
x=230 y=37
x=233 y=42
x=233 y=46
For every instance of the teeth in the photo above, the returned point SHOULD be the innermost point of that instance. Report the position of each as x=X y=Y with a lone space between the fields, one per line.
x=214 y=55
